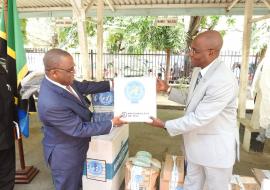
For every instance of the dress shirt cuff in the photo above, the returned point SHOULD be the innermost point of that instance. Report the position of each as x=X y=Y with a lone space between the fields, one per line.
x=111 y=85
x=111 y=126
x=169 y=90
x=164 y=127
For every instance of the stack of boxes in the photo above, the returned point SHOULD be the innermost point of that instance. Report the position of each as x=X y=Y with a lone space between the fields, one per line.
x=104 y=166
x=103 y=106
x=263 y=177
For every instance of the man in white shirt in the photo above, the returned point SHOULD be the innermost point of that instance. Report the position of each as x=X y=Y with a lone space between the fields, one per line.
x=209 y=126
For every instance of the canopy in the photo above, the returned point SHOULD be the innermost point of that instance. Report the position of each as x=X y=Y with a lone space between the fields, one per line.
x=60 y=8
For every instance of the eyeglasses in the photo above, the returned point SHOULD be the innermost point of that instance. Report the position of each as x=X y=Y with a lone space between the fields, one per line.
x=71 y=70
x=196 y=51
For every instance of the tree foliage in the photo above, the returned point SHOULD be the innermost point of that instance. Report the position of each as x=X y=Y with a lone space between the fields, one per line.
x=115 y=41
x=68 y=36
x=199 y=24
x=258 y=35
x=136 y=34
x=23 y=29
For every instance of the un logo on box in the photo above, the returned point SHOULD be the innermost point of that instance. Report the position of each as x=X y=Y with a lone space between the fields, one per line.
x=103 y=99
x=95 y=169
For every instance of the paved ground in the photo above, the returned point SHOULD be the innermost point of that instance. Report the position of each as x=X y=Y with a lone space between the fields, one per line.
x=141 y=137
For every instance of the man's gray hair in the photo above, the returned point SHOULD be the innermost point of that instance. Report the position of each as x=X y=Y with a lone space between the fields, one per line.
x=53 y=56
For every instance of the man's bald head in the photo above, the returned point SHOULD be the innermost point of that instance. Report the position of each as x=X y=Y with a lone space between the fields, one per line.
x=211 y=39
x=53 y=57
x=205 y=48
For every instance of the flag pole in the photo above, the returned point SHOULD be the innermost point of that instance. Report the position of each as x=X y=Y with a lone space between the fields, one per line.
x=26 y=173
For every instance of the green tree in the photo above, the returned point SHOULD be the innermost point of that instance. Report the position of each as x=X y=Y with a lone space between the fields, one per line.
x=114 y=42
x=167 y=38
x=130 y=33
x=136 y=34
x=199 y=24
x=68 y=36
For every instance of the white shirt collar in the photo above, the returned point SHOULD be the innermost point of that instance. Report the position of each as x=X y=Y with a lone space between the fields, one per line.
x=205 y=69
x=62 y=86
x=56 y=83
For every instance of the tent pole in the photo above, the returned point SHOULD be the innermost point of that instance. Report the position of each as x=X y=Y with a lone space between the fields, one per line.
x=245 y=59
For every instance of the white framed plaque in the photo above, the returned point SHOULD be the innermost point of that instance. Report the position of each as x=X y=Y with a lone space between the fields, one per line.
x=135 y=98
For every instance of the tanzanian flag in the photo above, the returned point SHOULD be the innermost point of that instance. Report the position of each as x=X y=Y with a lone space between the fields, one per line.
x=12 y=50
x=3 y=38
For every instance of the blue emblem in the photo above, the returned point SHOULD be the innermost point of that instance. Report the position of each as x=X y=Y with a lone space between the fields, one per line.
x=134 y=91
x=104 y=99
x=94 y=167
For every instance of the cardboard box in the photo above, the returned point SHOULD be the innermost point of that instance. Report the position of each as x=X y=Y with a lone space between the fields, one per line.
x=102 y=116
x=265 y=184
x=243 y=182
x=261 y=175
x=140 y=178
x=104 y=168
x=170 y=177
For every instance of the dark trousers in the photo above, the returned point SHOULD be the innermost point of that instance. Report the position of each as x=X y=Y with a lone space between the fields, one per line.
x=70 y=179
x=7 y=168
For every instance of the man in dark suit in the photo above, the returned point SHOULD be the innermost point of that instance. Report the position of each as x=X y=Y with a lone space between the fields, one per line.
x=66 y=119
x=7 y=147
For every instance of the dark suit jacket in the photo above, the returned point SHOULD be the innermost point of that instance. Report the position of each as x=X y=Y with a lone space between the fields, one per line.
x=6 y=112
x=67 y=122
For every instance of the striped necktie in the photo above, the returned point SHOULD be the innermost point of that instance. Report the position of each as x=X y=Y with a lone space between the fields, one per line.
x=198 y=79
x=70 y=90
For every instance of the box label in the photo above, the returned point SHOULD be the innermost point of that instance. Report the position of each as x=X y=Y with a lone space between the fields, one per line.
x=95 y=169
x=100 y=170
x=103 y=99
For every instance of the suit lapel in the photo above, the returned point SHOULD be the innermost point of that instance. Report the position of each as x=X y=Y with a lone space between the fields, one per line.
x=65 y=93
x=73 y=98
x=207 y=75
x=192 y=84
x=83 y=102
